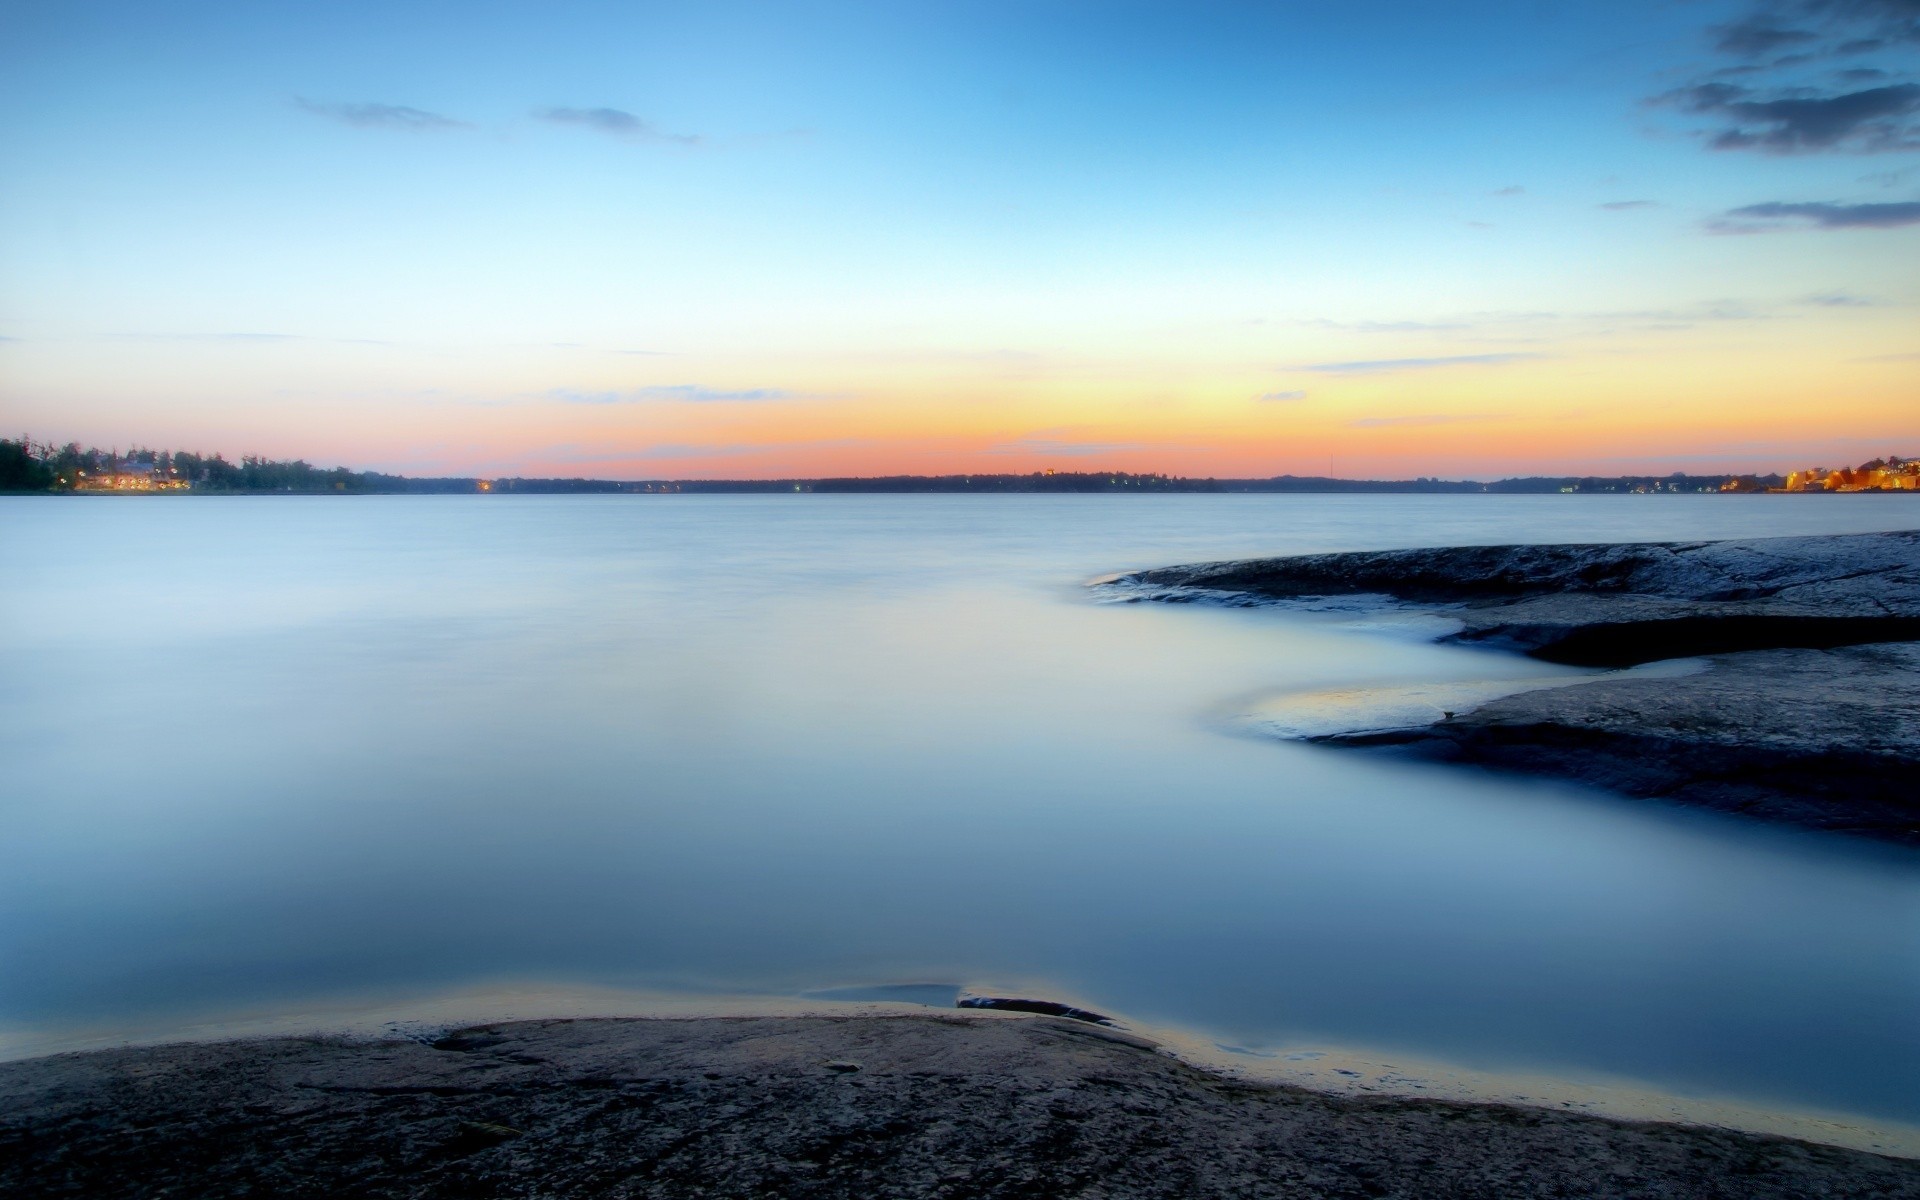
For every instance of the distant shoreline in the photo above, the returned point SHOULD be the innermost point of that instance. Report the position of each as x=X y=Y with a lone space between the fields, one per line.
x=1225 y=487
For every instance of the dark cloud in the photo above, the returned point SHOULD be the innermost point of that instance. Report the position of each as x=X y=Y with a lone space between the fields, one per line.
x=382 y=116
x=1775 y=215
x=1379 y=366
x=1780 y=106
x=1875 y=119
x=615 y=123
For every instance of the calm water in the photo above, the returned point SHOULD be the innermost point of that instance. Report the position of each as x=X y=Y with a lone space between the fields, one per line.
x=261 y=751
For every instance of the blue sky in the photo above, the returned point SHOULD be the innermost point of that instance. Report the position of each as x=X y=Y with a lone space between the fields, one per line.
x=838 y=237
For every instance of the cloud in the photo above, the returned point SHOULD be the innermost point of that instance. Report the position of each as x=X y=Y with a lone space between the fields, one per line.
x=671 y=450
x=1777 y=215
x=1802 y=121
x=1040 y=443
x=1425 y=419
x=1280 y=397
x=1512 y=189
x=382 y=116
x=615 y=123
x=1887 y=179
x=1625 y=205
x=1388 y=326
x=1880 y=358
x=1841 y=300
x=1783 y=107
x=1751 y=37
x=1381 y=366
x=684 y=392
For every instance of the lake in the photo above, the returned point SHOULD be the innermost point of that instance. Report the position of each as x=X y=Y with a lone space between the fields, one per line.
x=262 y=751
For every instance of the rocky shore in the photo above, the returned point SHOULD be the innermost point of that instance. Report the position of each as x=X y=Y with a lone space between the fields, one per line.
x=1808 y=712
x=897 y=1106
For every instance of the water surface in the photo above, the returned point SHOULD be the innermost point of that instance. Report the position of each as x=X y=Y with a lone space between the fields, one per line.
x=263 y=750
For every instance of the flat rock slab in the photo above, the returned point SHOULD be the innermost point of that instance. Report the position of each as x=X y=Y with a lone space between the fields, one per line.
x=1826 y=739
x=913 y=1106
x=1808 y=713
x=1605 y=605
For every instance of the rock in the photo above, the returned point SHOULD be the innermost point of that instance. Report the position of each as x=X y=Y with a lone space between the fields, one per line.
x=1604 y=605
x=1808 y=713
x=1045 y=1008
x=947 y=1106
x=1826 y=739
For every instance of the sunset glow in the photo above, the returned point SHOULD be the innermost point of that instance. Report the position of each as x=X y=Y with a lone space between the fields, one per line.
x=732 y=241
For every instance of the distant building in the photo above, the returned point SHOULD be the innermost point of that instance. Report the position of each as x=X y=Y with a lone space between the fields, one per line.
x=130 y=477
x=1882 y=475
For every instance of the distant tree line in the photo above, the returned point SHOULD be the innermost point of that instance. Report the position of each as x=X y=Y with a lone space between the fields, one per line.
x=27 y=466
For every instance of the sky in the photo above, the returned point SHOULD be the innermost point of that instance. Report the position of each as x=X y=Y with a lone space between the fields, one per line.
x=732 y=240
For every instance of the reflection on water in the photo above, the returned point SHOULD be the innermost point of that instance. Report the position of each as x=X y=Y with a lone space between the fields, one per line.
x=1327 y=712
x=263 y=750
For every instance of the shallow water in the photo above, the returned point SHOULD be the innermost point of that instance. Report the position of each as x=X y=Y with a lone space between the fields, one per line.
x=265 y=750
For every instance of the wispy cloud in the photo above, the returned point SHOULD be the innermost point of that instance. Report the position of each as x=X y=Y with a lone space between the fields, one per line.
x=1778 y=215
x=1425 y=419
x=382 y=116
x=1388 y=326
x=600 y=455
x=1512 y=189
x=617 y=124
x=1841 y=300
x=1753 y=36
x=1880 y=358
x=1378 y=366
x=1281 y=397
x=1061 y=447
x=1626 y=205
x=690 y=393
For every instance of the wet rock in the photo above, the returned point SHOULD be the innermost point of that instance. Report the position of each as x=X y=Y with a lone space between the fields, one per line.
x=1045 y=1008
x=1827 y=739
x=1808 y=713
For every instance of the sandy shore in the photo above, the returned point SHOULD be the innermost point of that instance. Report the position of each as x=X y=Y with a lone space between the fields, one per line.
x=899 y=1105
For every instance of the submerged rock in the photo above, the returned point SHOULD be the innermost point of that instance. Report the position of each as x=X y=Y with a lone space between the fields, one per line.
x=1808 y=713
x=1043 y=1008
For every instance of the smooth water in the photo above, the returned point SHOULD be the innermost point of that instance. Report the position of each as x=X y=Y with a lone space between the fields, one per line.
x=264 y=750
